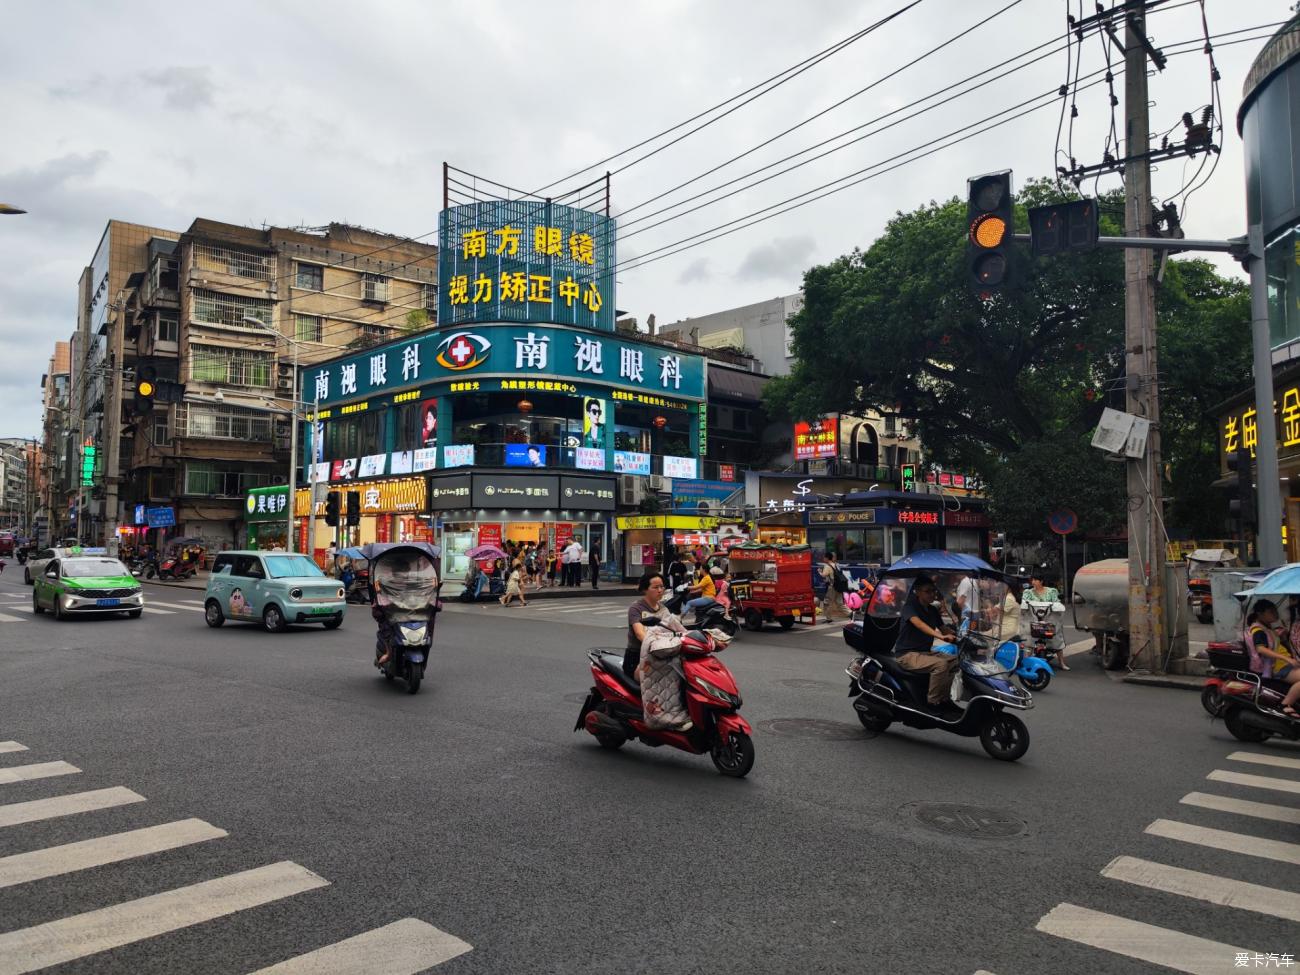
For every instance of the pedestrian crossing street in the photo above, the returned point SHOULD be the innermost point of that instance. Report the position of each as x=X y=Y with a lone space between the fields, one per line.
x=402 y=947
x=1261 y=842
x=16 y=607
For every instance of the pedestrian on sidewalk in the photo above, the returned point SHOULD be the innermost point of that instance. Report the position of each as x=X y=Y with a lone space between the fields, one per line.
x=552 y=567
x=515 y=585
x=836 y=586
x=573 y=558
x=594 y=561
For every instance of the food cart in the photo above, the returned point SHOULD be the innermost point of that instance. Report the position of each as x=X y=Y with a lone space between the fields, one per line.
x=1199 y=564
x=773 y=584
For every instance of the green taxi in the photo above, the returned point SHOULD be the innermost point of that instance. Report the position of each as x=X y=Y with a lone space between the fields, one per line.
x=75 y=585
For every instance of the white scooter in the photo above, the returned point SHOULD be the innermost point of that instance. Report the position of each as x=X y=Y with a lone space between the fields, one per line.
x=1046 y=636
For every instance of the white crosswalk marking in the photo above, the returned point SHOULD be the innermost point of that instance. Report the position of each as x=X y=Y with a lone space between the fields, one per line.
x=159 y=612
x=36 y=810
x=1258 y=781
x=6 y=618
x=38 y=864
x=81 y=935
x=1205 y=887
x=1245 y=807
x=402 y=948
x=1259 y=758
x=41 y=770
x=1134 y=939
x=182 y=607
x=1221 y=839
x=12 y=746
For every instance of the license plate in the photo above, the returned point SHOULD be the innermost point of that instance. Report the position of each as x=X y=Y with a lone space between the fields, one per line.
x=108 y=602
x=321 y=610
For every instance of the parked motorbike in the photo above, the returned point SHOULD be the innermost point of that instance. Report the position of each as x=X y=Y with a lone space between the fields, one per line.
x=614 y=713
x=404 y=589
x=711 y=617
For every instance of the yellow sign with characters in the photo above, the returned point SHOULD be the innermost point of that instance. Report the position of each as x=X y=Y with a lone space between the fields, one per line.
x=1240 y=429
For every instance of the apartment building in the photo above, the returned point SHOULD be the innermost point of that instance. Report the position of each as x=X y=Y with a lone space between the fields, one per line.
x=55 y=474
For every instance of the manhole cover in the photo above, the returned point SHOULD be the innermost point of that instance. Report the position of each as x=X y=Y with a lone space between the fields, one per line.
x=812 y=728
x=804 y=683
x=957 y=819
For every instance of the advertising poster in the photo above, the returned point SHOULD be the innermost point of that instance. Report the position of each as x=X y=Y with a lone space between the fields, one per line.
x=817 y=440
x=647 y=555
x=489 y=534
x=403 y=461
x=344 y=470
x=318 y=441
x=589 y=459
x=321 y=472
x=373 y=465
x=679 y=467
x=563 y=535
x=456 y=455
x=429 y=423
x=726 y=472
x=525 y=455
x=424 y=459
x=593 y=422
x=629 y=462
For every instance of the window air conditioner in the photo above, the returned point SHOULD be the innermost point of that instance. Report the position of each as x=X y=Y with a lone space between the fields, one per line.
x=658 y=482
x=286 y=383
x=629 y=490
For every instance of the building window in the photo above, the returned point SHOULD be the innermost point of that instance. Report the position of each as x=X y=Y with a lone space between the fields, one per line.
x=229 y=311
x=311 y=277
x=162 y=435
x=168 y=329
x=228 y=423
x=307 y=328
x=222 y=481
x=374 y=287
x=238 y=263
x=431 y=300
x=235 y=367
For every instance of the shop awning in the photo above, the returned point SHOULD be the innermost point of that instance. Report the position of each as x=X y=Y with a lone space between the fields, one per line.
x=734 y=384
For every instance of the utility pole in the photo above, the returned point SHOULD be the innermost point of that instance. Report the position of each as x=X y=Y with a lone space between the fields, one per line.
x=113 y=420
x=1146 y=549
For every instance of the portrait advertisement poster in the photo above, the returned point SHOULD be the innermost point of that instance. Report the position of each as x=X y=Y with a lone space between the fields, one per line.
x=403 y=462
x=525 y=455
x=589 y=458
x=424 y=459
x=429 y=423
x=321 y=472
x=457 y=455
x=372 y=465
x=679 y=467
x=629 y=462
x=344 y=470
x=593 y=422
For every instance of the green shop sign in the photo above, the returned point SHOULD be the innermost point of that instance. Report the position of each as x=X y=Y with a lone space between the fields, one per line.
x=557 y=357
x=525 y=261
x=267 y=504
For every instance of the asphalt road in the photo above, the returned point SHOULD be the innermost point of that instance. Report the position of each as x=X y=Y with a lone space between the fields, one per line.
x=473 y=808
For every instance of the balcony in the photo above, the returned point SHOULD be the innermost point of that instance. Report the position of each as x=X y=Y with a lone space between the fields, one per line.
x=213 y=265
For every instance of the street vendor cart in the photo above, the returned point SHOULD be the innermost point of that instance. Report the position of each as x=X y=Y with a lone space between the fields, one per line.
x=772 y=583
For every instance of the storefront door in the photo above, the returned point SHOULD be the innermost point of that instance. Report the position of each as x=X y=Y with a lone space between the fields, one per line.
x=596 y=539
x=455 y=543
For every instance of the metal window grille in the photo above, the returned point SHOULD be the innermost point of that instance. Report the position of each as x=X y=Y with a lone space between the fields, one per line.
x=307 y=328
x=431 y=300
x=227 y=423
x=311 y=277
x=229 y=311
x=374 y=287
x=239 y=263
x=234 y=367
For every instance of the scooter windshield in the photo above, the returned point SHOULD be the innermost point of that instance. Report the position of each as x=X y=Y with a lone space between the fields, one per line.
x=405 y=581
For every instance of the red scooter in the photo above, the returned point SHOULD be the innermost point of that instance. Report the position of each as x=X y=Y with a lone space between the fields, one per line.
x=613 y=712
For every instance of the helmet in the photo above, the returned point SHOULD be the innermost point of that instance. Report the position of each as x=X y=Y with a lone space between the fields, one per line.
x=697 y=642
x=717 y=571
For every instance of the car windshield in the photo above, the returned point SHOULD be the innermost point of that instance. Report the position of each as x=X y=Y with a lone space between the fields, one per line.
x=93 y=568
x=284 y=566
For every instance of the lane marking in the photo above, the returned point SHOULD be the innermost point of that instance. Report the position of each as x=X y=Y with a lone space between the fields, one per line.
x=1258 y=781
x=69 y=938
x=404 y=947
x=22 y=868
x=41 y=770
x=12 y=746
x=1205 y=887
x=1134 y=939
x=176 y=606
x=78 y=802
x=1259 y=758
x=1244 y=807
x=1221 y=839
x=6 y=618
x=159 y=612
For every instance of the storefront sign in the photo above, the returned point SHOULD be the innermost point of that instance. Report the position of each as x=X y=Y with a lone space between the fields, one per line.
x=526 y=261
x=449 y=491
x=424 y=459
x=800 y=493
x=1240 y=428
x=139 y=515
x=489 y=534
x=726 y=472
x=692 y=538
x=681 y=522
x=703 y=419
x=912 y=516
x=372 y=465
x=594 y=494
x=515 y=491
x=867 y=517
x=266 y=504
x=457 y=455
x=966 y=519
x=525 y=455
x=818 y=439
x=680 y=467
x=160 y=517
x=951 y=479
x=701 y=495
x=563 y=356
x=589 y=459
x=628 y=462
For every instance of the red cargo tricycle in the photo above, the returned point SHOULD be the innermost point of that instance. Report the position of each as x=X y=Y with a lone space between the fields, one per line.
x=772 y=583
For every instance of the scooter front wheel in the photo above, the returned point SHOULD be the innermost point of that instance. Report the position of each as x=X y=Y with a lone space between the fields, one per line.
x=1036 y=681
x=1005 y=737
x=735 y=756
x=1213 y=702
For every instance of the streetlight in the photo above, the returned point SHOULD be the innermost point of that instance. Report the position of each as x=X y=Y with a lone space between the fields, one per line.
x=8 y=209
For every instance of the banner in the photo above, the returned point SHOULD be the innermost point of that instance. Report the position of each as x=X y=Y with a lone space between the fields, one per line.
x=593 y=422
x=424 y=459
x=680 y=467
x=818 y=439
x=402 y=461
x=429 y=423
x=457 y=455
x=525 y=455
x=372 y=465
x=589 y=459
x=628 y=462
x=489 y=534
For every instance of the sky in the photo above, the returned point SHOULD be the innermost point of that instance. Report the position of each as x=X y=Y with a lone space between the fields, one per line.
x=302 y=113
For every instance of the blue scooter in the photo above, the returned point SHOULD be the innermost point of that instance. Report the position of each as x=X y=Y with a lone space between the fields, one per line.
x=1034 y=673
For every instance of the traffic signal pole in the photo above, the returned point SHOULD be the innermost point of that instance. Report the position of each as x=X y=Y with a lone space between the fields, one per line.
x=1269 y=495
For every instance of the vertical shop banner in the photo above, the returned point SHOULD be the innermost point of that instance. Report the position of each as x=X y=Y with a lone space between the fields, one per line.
x=817 y=440
x=455 y=455
x=589 y=458
x=563 y=535
x=429 y=423
x=490 y=534
x=381 y=529
x=594 y=412
x=703 y=414
x=726 y=472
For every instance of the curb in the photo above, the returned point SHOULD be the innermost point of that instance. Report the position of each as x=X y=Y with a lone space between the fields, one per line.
x=1166 y=680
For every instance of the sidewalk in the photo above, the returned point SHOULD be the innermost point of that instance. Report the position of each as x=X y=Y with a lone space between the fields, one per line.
x=452 y=588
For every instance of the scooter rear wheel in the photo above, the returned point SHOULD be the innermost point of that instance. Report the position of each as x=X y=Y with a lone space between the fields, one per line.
x=1213 y=702
x=611 y=742
x=1005 y=738
x=734 y=757
x=874 y=721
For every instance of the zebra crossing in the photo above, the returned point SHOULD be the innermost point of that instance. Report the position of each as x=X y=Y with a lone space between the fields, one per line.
x=16 y=607
x=1114 y=930
x=404 y=946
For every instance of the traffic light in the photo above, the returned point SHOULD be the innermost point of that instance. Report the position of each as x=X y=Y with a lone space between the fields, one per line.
x=332 y=509
x=146 y=389
x=169 y=392
x=1063 y=227
x=1242 y=507
x=990 y=225
x=354 y=509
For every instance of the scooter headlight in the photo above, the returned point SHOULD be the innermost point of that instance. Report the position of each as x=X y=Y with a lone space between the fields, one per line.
x=717 y=693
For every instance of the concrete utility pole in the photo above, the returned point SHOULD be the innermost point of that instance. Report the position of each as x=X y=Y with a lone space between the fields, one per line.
x=1146 y=546
x=1269 y=496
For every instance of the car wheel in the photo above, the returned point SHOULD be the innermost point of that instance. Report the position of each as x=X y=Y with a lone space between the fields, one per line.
x=212 y=614
x=333 y=624
x=55 y=611
x=27 y=577
x=273 y=619
x=37 y=608
x=134 y=613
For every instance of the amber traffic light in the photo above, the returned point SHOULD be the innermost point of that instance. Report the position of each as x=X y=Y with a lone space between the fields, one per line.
x=991 y=227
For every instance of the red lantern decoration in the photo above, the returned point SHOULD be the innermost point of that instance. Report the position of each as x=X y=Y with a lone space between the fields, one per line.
x=525 y=406
x=661 y=422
